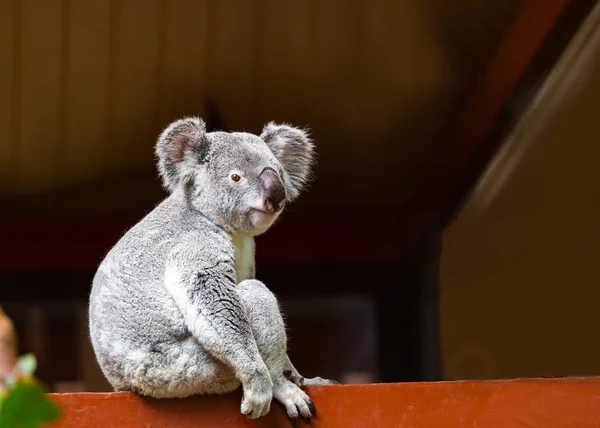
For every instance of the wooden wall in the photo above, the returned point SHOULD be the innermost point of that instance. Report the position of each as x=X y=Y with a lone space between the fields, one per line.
x=520 y=278
x=85 y=86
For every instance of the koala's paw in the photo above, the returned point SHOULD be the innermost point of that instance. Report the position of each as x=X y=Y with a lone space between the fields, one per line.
x=302 y=381
x=258 y=393
x=295 y=401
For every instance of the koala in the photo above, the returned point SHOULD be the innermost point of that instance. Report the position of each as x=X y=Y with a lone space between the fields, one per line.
x=175 y=309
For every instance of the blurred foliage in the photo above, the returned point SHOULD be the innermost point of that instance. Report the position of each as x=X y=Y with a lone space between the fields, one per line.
x=23 y=401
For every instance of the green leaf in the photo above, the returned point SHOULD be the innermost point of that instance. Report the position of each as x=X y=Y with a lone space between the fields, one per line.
x=26 y=406
x=10 y=381
x=27 y=365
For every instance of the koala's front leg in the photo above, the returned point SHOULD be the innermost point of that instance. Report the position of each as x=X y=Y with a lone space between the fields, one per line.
x=289 y=371
x=267 y=324
x=203 y=286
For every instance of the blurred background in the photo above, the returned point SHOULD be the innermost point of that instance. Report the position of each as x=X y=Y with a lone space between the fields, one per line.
x=453 y=226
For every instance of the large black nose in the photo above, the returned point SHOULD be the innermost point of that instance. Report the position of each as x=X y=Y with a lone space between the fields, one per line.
x=273 y=190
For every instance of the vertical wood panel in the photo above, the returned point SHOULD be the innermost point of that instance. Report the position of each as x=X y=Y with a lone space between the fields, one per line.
x=135 y=84
x=95 y=91
x=378 y=59
x=337 y=31
x=184 y=70
x=38 y=128
x=233 y=35
x=85 y=134
x=415 y=60
x=375 y=41
x=7 y=41
x=285 y=75
x=333 y=94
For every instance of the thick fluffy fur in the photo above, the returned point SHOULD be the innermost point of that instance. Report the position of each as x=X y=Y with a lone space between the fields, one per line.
x=175 y=309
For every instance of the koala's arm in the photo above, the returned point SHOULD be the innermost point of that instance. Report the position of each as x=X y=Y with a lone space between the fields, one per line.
x=201 y=280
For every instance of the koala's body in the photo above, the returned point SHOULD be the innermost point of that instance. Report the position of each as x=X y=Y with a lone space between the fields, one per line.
x=174 y=308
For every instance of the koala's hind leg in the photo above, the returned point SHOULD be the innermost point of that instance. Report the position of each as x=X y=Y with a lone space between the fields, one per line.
x=172 y=370
x=268 y=328
x=293 y=375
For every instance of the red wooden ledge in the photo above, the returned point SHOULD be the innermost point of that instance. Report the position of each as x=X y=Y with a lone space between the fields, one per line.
x=548 y=403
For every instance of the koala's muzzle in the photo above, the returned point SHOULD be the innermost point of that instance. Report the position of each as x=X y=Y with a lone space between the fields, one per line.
x=273 y=190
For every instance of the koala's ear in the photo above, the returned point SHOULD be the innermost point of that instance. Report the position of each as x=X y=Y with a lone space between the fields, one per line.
x=294 y=150
x=181 y=145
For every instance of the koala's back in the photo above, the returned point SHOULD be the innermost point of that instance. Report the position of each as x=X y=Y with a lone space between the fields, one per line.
x=130 y=308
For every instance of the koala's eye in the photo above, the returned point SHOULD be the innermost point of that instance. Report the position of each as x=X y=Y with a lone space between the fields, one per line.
x=235 y=177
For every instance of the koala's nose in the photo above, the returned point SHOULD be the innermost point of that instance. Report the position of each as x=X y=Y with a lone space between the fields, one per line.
x=273 y=190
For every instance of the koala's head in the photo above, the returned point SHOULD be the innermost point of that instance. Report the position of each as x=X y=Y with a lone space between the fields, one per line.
x=238 y=180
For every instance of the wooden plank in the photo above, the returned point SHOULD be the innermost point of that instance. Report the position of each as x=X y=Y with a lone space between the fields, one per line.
x=183 y=72
x=335 y=44
x=233 y=57
x=133 y=91
x=284 y=76
x=85 y=137
x=9 y=29
x=38 y=149
x=547 y=403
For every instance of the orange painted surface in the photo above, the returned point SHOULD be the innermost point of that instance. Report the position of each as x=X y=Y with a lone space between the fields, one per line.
x=548 y=403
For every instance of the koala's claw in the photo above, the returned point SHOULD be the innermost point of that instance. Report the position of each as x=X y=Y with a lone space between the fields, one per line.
x=295 y=401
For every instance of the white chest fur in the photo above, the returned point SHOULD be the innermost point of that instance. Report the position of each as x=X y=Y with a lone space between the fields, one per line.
x=244 y=257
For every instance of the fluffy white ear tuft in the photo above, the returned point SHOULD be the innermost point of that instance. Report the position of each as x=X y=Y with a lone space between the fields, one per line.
x=295 y=151
x=182 y=141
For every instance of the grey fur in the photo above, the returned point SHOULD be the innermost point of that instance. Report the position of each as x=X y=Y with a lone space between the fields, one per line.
x=294 y=150
x=174 y=308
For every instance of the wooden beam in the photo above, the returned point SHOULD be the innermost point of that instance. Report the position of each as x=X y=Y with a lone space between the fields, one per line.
x=507 y=67
x=530 y=81
x=547 y=403
x=457 y=167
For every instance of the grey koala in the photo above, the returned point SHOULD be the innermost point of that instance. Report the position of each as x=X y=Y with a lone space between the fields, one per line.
x=174 y=308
